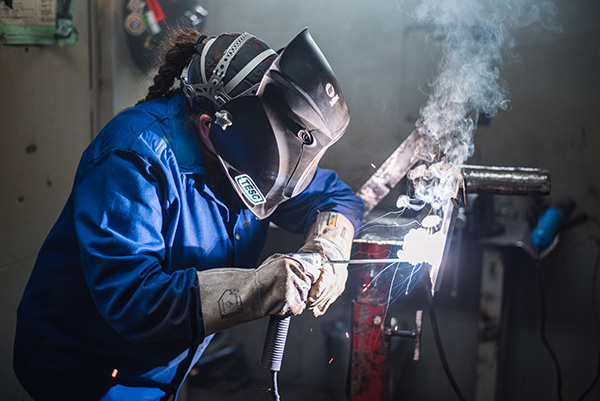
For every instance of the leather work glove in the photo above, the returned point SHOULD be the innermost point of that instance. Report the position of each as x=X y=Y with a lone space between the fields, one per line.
x=330 y=236
x=279 y=286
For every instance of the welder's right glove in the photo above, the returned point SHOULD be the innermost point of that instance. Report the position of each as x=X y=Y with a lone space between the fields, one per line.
x=330 y=236
x=279 y=286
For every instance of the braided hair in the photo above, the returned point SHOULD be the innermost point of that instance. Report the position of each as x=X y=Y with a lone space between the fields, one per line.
x=178 y=49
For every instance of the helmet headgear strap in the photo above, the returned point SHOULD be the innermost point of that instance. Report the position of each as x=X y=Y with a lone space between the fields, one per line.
x=213 y=88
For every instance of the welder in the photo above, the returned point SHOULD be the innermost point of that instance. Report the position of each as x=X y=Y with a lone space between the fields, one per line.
x=157 y=246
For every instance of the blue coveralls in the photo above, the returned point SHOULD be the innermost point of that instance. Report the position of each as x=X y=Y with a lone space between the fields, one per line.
x=112 y=309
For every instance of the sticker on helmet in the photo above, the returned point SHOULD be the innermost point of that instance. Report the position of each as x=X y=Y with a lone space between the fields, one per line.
x=249 y=189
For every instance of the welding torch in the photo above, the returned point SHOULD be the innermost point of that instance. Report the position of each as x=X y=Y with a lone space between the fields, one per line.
x=277 y=331
x=278 y=327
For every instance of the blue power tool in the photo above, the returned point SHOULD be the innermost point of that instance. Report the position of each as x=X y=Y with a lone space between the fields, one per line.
x=547 y=227
x=549 y=224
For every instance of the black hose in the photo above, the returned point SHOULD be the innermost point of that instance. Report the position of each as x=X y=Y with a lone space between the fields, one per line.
x=545 y=341
x=438 y=341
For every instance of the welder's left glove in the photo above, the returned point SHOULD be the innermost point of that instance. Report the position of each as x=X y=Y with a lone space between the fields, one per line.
x=331 y=236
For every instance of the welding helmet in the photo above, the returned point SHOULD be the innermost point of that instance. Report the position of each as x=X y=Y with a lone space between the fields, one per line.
x=270 y=136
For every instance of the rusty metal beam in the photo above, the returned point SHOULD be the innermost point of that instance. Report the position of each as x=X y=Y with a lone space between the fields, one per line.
x=390 y=173
x=478 y=179
x=369 y=357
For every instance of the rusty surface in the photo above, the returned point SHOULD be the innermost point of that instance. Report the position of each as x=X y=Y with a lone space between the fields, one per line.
x=390 y=173
x=372 y=287
x=370 y=345
x=370 y=354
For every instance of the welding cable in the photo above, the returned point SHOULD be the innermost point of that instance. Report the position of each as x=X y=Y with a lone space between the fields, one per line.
x=543 y=317
x=543 y=329
x=438 y=341
x=272 y=356
x=274 y=386
x=596 y=316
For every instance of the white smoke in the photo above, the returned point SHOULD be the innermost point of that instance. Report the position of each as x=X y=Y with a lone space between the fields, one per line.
x=473 y=36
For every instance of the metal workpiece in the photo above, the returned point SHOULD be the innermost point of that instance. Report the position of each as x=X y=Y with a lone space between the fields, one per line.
x=369 y=359
x=478 y=179
x=391 y=172
x=370 y=339
x=365 y=261
x=373 y=280
x=506 y=180
x=450 y=211
x=372 y=329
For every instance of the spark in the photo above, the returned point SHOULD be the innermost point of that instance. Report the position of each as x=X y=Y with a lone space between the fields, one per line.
x=114 y=372
x=347 y=335
x=373 y=165
x=375 y=223
x=410 y=279
x=331 y=360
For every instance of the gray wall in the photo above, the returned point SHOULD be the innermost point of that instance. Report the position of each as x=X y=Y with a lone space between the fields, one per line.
x=46 y=109
x=57 y=98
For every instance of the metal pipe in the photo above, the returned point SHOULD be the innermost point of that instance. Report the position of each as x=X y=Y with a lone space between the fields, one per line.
x=506 y=180
x=478 y=179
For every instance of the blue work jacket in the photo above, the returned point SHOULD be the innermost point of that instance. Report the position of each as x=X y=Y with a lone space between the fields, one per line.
x=112 y=309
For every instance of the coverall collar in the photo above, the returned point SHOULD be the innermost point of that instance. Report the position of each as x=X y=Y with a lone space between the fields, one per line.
x=183 y=137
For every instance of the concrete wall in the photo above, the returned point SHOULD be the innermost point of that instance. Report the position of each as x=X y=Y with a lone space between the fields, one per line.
x=46 y=113
x=57 y=98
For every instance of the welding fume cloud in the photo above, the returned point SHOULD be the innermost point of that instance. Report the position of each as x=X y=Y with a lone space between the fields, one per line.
x=472 y=36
